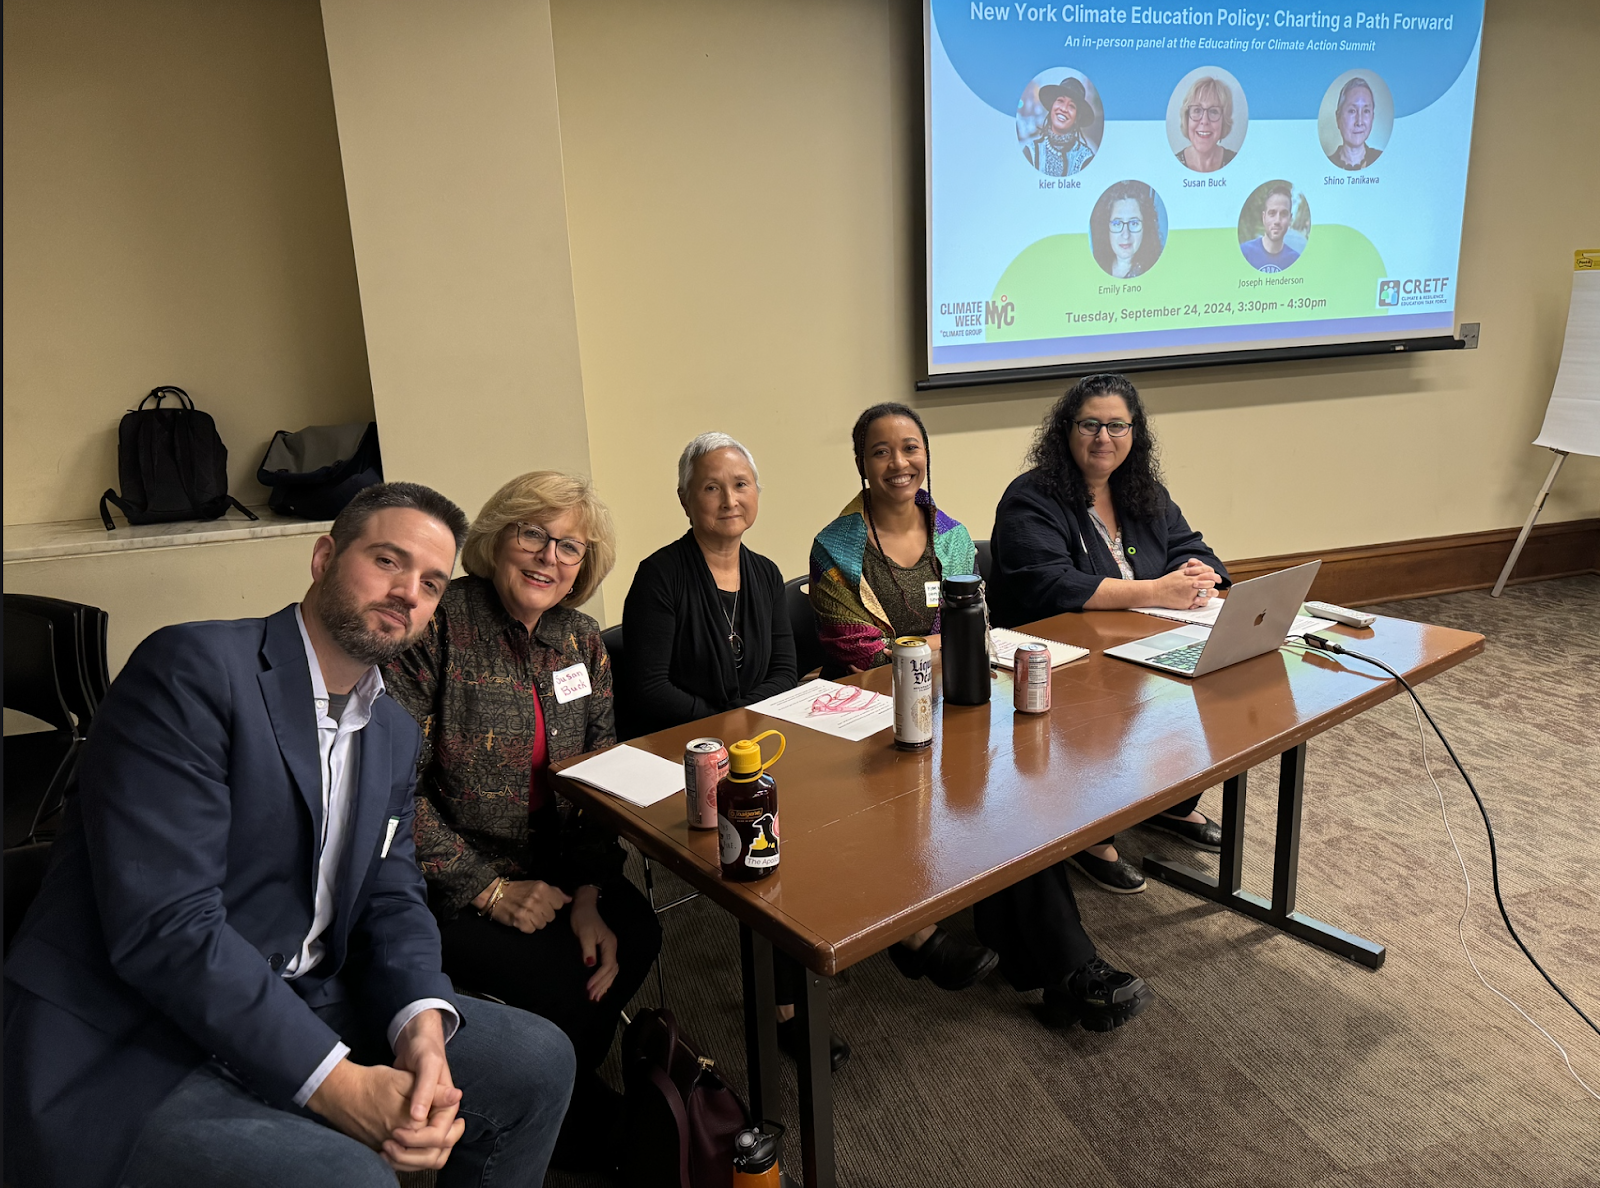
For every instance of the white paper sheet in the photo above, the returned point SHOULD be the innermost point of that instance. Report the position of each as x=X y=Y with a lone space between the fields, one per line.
x=1208 y=618
x=1572 y=418
x=843 y=711
x=630 y=774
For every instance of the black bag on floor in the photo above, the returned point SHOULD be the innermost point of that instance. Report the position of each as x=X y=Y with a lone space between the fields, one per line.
x=171 y=463
x=680 y=1116
x=315 y=472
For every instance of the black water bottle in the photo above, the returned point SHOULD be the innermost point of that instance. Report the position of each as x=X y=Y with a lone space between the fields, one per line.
x=965 y=645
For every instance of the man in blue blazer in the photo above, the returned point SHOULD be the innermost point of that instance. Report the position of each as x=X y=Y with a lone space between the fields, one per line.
x=231 y=975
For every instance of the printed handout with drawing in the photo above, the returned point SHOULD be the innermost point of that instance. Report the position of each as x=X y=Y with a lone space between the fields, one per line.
x=843 y=711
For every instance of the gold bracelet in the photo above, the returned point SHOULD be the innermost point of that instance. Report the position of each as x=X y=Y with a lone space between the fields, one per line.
x=499 y=889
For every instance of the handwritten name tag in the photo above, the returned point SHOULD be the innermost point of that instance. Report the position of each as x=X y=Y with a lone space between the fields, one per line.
x=572 y=683
x=930 y=593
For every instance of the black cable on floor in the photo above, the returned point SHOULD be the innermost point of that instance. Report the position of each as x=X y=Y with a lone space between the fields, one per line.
x=1323 y=644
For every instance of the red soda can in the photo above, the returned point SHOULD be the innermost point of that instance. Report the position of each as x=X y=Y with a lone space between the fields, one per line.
x=1030 y=687
x=705 y=765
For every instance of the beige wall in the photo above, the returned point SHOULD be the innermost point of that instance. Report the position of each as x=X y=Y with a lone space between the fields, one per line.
x=743 y=193
x=196 y=232
x=174 y=213
x=452 y=155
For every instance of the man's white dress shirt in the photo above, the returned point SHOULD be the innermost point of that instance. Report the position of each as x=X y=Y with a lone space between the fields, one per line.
x=339 y=760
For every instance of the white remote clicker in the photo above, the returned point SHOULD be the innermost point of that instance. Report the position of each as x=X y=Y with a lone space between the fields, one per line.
x=1340 y=614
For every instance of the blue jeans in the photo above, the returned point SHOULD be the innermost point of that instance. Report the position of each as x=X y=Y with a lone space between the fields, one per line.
x=515 y=1073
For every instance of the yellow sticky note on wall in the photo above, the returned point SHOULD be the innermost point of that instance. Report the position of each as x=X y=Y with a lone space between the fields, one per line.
x=1585 y=258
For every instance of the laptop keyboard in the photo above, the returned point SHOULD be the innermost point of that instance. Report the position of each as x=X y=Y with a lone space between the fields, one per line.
x=1183 y=659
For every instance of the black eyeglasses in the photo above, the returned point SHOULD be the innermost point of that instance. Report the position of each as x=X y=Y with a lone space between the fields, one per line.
x=1134 y=225
x=1212 y=115
x=569 y=551
x=1091 y=428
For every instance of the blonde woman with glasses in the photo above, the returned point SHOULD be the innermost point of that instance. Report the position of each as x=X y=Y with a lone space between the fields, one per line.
x=1206 y=118
x=510 y=676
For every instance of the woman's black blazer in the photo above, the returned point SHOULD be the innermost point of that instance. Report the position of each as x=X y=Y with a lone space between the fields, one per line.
x=1048 y=557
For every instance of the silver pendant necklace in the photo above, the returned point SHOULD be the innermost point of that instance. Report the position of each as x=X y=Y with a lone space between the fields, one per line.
x=734 y=640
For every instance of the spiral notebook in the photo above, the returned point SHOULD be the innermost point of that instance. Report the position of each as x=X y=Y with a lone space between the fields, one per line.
x=1006 y=641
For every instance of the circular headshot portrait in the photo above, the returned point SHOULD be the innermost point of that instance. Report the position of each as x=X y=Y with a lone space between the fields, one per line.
x=1128 y=229
x=1207 y=118
x=1060 y=122
x=1355 y=120
x=1274 y=226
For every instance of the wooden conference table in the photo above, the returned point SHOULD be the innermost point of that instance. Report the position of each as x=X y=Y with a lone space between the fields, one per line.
x=878 y=842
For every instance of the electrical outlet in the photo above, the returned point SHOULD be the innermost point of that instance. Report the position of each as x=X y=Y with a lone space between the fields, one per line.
x=1469 y=335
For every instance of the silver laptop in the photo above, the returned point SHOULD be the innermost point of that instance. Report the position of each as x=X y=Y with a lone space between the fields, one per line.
x=1254 y=619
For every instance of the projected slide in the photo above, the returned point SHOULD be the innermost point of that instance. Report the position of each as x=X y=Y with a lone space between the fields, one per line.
x=1128 y=180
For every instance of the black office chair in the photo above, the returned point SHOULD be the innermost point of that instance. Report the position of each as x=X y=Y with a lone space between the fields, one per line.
x=79 y=640
x=24 y=875
x=627 y=728
x=985 y=559
x=808 y=653
x=621 y=706
x=34 y=687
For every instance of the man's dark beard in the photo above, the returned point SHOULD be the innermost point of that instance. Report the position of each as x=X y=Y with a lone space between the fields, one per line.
x=346 y=623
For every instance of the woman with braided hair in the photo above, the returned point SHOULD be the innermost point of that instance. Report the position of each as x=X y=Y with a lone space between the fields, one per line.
x=875 y=574
x=875 y=570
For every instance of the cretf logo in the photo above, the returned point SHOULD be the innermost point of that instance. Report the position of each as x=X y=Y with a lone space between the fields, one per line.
x=1388 y=293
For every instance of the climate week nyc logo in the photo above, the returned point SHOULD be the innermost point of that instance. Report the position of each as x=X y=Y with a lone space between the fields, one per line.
x=967 y=319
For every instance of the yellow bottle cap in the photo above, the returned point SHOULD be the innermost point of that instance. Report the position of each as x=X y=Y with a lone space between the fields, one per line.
x=744 y=756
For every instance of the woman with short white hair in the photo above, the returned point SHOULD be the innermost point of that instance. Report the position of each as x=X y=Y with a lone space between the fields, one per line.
x=705 y=627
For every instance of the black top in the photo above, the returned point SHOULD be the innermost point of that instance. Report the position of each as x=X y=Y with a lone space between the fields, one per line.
x=675 y=638
x=1227 y=155
x=1048 y=558
x=336 y=704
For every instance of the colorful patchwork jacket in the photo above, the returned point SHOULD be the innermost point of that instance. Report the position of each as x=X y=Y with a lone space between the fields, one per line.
x=852 y=625
x=470 y=682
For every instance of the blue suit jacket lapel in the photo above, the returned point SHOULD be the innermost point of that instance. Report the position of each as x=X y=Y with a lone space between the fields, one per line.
x=286 y=689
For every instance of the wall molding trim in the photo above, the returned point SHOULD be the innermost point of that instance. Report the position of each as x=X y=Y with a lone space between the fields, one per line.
x=1370 y=574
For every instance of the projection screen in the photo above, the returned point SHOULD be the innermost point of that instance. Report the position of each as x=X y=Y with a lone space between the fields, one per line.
x=1165 y=184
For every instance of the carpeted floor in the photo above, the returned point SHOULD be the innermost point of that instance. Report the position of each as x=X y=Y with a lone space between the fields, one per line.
x=1264 y=1061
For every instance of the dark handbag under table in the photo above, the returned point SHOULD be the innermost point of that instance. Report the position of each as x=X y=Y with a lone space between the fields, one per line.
x=315 y=472
x=681 y=1117
x=171 y=463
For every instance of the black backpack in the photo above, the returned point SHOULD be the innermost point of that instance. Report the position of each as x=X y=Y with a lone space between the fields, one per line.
x=172 y=464
x=315 y=472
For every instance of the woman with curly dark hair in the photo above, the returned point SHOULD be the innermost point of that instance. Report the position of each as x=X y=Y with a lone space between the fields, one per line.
x=1089 y=526
x=1125 y=230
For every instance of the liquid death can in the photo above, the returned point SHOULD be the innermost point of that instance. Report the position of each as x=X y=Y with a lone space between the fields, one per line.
x=1031 y=687
x=913 y=693
x=705 y=765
